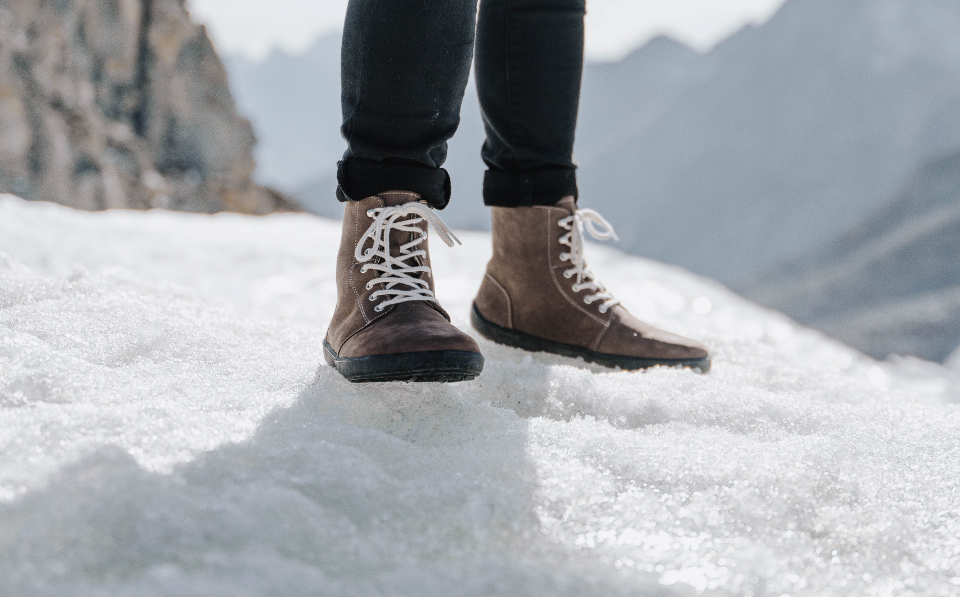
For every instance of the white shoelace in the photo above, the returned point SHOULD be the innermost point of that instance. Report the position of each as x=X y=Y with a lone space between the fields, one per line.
x=401 y=279
x=599 y=229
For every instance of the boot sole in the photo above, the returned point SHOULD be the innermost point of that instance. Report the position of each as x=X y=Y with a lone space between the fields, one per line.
x=440 y=366
x=508 y=337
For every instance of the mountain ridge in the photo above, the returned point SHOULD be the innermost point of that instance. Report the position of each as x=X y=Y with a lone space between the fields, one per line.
x=728 y=161
x=891 y=283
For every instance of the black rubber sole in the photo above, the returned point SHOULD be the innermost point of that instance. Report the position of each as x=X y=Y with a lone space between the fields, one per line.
x=441 y=366
x=508 y=337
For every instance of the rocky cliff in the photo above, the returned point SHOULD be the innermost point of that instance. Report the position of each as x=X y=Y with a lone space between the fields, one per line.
x=120 y=103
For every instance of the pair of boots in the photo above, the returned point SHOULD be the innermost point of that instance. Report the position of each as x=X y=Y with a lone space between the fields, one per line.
x=537 y=294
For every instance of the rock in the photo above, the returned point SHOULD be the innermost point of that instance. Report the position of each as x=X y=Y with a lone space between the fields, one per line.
x=121 y=103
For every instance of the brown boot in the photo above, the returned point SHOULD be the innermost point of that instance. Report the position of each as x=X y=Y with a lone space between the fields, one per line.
x=539 y=295
x=388 y=325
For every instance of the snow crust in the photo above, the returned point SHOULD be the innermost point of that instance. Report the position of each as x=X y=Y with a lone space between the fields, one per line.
x=167 y=428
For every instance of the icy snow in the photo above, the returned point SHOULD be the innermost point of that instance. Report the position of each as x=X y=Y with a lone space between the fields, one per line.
x=167 y=428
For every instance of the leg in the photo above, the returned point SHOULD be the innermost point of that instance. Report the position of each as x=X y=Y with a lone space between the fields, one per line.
x=538 y=293
x=529 y=65
x=405 y=66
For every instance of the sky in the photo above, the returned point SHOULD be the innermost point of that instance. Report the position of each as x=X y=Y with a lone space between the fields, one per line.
x=614 y=27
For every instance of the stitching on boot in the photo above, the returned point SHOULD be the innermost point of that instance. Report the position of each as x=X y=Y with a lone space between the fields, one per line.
x=509 y=303
x=356 y=222
x=553 y=273
x=406 y=194
x=596 y=345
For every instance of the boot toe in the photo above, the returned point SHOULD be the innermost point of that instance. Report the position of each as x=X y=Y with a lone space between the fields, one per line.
x=628 y=336
x=408 y=328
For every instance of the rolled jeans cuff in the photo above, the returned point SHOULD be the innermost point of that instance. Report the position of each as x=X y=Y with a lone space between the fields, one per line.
x=524 y=189
x=358 y=179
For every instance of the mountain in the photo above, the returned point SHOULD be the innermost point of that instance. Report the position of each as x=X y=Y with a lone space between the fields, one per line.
x=294 y=103
x=777 y=139
x=168 y=428
x=120 y=104
x=891 y=284
x=953 y=361
x=725 y=162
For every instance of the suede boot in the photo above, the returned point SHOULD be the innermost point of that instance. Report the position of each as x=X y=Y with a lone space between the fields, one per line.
x=539 y=295
x=388 y=325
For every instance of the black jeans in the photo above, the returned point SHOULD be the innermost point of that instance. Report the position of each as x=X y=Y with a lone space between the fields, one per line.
x=405 y=66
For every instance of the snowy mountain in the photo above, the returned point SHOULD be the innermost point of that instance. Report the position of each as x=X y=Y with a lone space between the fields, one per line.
x=891 y=283
x=294 y=102
x=165 y=429
x=780 y=137
x=725 y=162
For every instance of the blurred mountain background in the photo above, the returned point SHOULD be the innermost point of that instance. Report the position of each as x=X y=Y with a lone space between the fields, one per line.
x=891 y=283
x=802 y=162
x=811 y=163
x=120 y=103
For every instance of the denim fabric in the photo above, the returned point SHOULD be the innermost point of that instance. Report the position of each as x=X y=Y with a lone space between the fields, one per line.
x=405 y=66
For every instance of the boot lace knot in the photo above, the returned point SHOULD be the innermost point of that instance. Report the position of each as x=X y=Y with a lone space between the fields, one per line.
x=600 y=229
x=401 y=275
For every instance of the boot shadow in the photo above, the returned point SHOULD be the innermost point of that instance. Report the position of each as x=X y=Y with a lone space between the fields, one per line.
x=409 y=489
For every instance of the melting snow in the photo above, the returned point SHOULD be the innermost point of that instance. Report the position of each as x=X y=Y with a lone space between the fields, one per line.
x=165 y=429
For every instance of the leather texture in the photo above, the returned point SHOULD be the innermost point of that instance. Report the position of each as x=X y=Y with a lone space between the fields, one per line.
x=525 y=289
x=357 y=329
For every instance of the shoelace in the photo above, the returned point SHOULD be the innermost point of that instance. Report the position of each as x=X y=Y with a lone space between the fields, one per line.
x=400 y=278
x=599 y=229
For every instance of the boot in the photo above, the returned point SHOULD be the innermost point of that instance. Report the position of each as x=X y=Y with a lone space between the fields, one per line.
x=539 y=295
x=388 y=325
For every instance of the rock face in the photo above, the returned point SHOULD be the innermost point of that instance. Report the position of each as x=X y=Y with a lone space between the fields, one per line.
x=120 y=103
x=889 y=284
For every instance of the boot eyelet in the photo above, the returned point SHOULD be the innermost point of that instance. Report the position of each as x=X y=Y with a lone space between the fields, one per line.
x=567 y=275
x=378 y=308
x=369 y=286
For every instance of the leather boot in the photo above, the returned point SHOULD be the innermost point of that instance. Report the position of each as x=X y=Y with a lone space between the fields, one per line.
x=388 y=325
x=539 y=295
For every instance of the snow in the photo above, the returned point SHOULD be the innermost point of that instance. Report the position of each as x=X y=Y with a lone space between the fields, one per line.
x=167 y=428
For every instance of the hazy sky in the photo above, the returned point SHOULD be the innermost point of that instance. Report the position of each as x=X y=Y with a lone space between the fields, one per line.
x=614 y=27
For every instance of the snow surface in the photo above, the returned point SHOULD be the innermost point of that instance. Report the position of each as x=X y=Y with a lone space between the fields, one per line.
x=165 y=429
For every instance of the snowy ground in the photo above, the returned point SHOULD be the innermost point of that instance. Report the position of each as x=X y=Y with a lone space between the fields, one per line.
x=165 y=430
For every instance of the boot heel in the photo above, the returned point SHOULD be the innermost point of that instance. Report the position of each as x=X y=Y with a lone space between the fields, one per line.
x=328 y=355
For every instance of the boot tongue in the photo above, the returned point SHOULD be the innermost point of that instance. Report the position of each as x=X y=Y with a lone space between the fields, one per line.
x=395 y=198
x=568 y=203
x=397 y=237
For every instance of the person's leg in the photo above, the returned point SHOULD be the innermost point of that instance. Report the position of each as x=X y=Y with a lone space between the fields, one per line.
x=538 y=293
x=405 y=65
x=529 y=65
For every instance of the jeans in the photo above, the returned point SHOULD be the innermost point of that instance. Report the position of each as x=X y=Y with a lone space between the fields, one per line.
x=405 y=66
